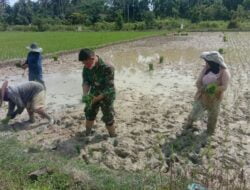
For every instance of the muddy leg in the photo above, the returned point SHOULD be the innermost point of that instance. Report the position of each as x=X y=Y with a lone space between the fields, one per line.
x=31 y=116
x=212 y=118
x=89 y=126
x=111 y=130
x=195 y=114
x=43 y=114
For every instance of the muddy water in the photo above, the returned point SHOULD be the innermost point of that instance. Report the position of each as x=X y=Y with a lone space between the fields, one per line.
x=152 y=106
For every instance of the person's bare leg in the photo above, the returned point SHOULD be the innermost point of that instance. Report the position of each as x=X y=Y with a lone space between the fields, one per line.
x=31 y=116
x=89 y=126
x=212 y=119
x=43 y=114
x=111 y=130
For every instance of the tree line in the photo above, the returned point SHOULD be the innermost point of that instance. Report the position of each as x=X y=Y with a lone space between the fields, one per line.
x=89 y=12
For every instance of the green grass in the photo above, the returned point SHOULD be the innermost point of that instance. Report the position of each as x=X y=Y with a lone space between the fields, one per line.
x=12 y=44
x=16 y=164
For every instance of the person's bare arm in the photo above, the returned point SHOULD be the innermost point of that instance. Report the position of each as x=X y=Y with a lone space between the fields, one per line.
x=225 y=81
x=85 y=89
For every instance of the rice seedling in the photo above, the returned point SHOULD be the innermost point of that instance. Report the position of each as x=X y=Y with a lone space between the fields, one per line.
x=151 y=66
x=88 y=100
x=221 y=51
x=211 y=89
x=55 y=57
x=161 y=59
x=224 y=38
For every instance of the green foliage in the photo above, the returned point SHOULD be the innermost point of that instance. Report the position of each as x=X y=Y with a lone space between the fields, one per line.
x=140 y=26
x=224 y=38
x=211 y=89
x=151 y=66
x=55 y=57
x=16 y=164
x=149 y=19
x=233 y=24
x=89 y=12
x=41 y=24
x=23 y=28
x=119 y=22
x=3 y=26
x=221 y=51
x=88 y=100
x=77 y=18
x=161 y=59
x=103 y=26
x=246 y=5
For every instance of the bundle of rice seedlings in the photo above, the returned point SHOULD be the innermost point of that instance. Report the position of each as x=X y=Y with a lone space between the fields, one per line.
x=19 y=65
x=211 y=89
x=161 y=59
x=88 y=100
x=151 y=66
x=55 y=57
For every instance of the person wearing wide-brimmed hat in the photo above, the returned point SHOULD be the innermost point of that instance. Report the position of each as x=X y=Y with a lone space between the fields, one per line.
x=34 y=63
x=29 y=95
x=211 y=84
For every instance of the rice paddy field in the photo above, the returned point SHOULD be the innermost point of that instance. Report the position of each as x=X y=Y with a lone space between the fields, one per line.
x=153 y=149
x=12 y=44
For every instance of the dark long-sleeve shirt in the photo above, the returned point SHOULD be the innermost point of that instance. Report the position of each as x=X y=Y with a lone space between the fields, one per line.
x=34 y=62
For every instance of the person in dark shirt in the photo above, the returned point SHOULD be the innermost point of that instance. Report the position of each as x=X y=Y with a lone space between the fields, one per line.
x=34 y=63
x=98 y=84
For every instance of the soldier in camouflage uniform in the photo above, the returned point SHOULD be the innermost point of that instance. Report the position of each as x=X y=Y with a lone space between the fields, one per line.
x=98 y=83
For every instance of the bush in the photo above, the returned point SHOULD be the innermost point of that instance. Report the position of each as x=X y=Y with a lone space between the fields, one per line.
x=3 y=27
x=208 y=24
x=129 y=26
x=99 y=26
x=221 y=51
x=140 y=26
x=62 y=28
x=149 y=18
x=119 y=22
x=24 y=28
x=233 y=24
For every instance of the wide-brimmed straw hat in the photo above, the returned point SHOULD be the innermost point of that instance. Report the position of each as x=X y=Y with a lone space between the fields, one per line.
x=214 y=56
x=2 y=91
x=34 y=48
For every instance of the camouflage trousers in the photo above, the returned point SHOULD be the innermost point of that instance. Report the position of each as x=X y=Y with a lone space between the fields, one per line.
x=107 y=108
x=198 y=111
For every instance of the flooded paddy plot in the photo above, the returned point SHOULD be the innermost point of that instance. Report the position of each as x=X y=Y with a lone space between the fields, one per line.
x=151 y=108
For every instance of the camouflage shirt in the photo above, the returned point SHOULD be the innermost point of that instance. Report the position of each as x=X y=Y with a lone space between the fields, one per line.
x=100 y=79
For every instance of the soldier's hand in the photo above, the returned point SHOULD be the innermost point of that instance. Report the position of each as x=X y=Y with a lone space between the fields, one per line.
x=97 y=99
